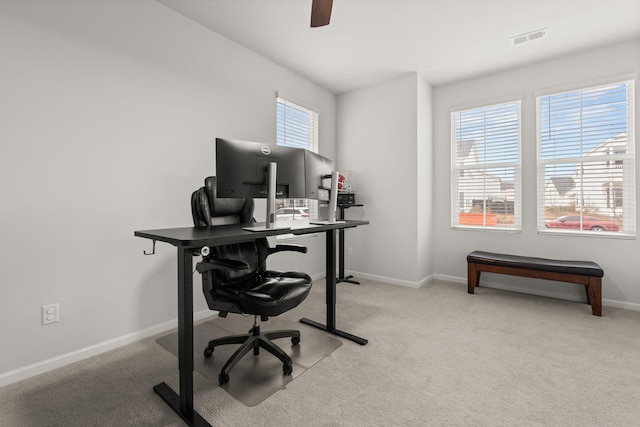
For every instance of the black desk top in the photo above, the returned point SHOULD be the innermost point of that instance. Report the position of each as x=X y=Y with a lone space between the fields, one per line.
x=196 y=237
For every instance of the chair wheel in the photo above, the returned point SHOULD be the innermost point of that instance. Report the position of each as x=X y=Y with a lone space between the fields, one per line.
x=295 y=340
x=208 y=352
x=287 y=369
x=223 y=378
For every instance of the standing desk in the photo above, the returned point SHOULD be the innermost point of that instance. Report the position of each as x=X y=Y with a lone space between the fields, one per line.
x=188 y=239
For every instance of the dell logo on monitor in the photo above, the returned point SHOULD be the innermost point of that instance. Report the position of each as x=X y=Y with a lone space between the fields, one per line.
x=265 y=150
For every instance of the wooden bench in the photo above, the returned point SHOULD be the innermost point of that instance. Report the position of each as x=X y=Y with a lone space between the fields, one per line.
x=584 y=273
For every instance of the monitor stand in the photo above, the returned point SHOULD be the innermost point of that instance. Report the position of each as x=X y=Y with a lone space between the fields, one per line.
x=333 y=202
x=271 y=223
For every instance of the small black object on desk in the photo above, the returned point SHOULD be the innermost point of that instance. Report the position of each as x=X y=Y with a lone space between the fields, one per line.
x=341 y=277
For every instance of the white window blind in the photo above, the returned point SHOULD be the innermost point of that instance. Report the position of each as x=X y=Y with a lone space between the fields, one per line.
x=485 y=169
x=297 y=126
x=586 y=161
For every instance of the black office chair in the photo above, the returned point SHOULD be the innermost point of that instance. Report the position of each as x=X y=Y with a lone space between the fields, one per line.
x=235 y=279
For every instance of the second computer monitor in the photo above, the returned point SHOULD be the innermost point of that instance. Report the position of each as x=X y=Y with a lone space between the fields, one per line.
x=318 y=171
x=321 y=184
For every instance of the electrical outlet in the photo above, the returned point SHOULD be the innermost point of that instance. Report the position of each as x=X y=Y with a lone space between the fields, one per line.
x=50 y=314
x=349 y=251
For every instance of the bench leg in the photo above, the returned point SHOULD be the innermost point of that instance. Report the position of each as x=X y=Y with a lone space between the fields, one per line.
x=594 y=295
x=473 y=277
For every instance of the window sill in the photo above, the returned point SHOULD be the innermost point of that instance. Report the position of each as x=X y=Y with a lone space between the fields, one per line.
x=588 y=234
x=489 y=229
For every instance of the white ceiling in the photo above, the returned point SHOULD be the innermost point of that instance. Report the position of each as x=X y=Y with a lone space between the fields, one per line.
x=369 y=41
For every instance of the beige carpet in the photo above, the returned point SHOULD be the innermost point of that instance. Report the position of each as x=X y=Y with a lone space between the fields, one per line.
x=437 y=356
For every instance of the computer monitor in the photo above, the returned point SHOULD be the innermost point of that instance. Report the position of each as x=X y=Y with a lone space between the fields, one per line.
x=317 y=170
x=246 y=169
x=321 y=183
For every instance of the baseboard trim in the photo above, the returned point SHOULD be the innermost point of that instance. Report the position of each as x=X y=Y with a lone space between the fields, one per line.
x=621 y=304
x=447 y=278
x=375 y=278
x=29 y=371
x=605 y=302
x=390 y=280
x=318 y=276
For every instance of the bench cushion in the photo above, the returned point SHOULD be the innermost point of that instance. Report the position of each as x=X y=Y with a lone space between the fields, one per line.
x=582 y=268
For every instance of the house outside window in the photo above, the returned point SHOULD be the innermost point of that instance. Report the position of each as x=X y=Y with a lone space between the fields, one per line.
x=296 y=126
x=485 y=167
x=586 y=161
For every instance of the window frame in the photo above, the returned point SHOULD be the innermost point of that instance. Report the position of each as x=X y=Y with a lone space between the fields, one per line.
x=612 y=157
x=284 y=137
x=312 y=144
x=458 y=171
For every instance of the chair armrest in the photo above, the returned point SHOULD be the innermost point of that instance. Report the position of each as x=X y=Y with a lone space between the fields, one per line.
x=291 y=248
x=221 y=264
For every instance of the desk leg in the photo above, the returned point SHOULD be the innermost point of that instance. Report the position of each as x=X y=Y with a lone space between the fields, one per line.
x=331 y=294
x=182 y=404
x=341 y=277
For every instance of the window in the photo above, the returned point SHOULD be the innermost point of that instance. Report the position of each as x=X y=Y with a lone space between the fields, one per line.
x=485 y=167
x=296 y=126
x=586 y=161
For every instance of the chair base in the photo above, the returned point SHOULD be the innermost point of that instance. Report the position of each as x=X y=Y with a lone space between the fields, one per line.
x=254 y=340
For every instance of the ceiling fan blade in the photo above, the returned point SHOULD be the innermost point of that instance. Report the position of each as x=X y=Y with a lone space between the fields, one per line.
x=320 y=12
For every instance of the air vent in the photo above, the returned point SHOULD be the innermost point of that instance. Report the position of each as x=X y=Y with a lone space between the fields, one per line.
x=525 y=38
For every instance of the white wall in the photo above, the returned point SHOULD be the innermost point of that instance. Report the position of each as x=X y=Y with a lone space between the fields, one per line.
x=384 y=137
x=108 y=113
x=616 y=256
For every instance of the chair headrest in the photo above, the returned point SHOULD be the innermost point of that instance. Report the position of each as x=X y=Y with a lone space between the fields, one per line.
x=208 y=209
